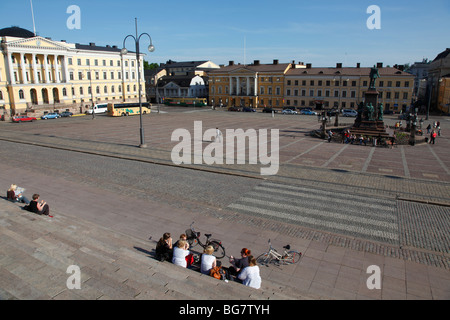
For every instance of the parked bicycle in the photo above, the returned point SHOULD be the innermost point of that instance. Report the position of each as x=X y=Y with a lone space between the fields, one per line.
x=287 y=257
x=193 y=237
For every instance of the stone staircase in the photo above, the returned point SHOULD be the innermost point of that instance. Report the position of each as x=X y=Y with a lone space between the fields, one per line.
x=36 y=251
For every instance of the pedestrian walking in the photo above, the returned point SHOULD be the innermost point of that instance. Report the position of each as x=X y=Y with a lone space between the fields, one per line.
x=218 y=135
x=433 y=137
x=429 y=128
x=330 y=135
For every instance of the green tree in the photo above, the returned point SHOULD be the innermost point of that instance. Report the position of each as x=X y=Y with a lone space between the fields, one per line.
x=150 y=66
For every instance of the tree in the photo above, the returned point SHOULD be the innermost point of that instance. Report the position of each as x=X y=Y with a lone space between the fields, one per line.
x=150 y=66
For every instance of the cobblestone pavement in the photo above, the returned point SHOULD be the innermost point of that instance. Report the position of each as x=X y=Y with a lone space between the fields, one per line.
x=390 y=202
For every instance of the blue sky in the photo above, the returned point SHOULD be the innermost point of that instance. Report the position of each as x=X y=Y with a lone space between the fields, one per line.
x=318 y=32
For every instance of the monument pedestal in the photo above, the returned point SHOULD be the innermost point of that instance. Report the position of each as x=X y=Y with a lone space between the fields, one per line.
x=371 y=97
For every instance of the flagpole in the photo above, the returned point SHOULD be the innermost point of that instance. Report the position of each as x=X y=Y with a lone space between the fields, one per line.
x=32 y=15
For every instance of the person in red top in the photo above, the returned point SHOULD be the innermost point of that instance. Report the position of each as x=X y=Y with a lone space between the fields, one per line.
x=433 y=137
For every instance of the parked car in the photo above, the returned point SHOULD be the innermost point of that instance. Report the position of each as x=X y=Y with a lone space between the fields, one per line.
x=247 y=109
x=269 y=110
x=52 y=115
x=349 y=113
x=289 y=111
x=66 y=114
x=235 y=109
x=308 y=112
x=332 y=113
x=18 y=119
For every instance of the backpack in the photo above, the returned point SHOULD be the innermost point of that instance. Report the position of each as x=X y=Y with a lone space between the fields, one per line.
x=216 y=272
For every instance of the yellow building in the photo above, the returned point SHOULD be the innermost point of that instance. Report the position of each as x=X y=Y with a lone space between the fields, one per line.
x=444 y=94
x=344 y=88
x=255 y=85
x=40 y=75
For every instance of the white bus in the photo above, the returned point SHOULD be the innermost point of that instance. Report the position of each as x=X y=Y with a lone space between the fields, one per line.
x=98 y=108
x=127 y=109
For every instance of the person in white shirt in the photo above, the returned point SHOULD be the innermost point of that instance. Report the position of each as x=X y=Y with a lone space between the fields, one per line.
x=218 y=135
x=208 y=260
x=180 y=253
x=250 y=275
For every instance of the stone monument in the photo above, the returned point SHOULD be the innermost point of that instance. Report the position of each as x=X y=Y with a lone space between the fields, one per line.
x=369 y=121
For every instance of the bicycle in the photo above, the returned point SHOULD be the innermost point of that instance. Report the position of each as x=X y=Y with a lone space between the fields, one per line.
x=288 y=257
x=193 y=238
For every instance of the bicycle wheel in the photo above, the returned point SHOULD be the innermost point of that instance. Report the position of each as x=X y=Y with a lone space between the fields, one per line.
x=293 y=257
x=264 y=259
x=192 y=242
x=218 y=249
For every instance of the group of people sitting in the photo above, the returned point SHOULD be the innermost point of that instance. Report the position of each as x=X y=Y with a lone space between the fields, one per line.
x=352 y=138
x=15 y=194
x=243 y=270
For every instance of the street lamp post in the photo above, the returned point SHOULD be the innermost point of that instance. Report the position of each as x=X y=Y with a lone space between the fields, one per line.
x=124 y=51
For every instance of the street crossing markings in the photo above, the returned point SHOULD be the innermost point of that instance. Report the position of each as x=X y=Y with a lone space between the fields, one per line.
x=354 y=215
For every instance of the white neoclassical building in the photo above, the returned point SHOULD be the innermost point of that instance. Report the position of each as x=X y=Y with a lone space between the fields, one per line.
x=38 y=74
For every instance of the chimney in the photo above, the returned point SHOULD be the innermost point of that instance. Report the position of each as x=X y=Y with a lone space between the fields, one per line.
x=275 y=62
x=308 y=66
x=256 y=62
x=231 y=63
x=358 y=65
x=91 y=44
x=338 y=65
x=380 y=65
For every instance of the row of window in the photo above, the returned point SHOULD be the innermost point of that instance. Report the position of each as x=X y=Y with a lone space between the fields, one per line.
x=79 y=61
x=88 y=62
x=105 y=75
x=314 y=93
x=81 y=91
x=336 y=83
x=345 y=83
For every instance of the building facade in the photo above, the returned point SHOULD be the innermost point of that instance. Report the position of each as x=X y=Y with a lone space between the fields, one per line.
x=344 y=87
x=437 y=73
x=255 y=85
x=179 y=80
x=302 y=86
x=40 y=75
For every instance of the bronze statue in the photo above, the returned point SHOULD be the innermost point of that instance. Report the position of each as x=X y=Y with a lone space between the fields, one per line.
x=374 y=75
x=380 y=112
x=369 y=112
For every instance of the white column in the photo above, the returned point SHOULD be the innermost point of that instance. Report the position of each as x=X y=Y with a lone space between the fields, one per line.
x=256 y=86
x=22 y=68
x=35 y=77
x=248 y=86
x=65 y=70
x=47 y=78
x=58 y=80
x=11 y=68
x=237 y=86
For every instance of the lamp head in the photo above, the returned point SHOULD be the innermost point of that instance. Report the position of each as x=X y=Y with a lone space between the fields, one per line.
x=124 y=51
x=151 y=48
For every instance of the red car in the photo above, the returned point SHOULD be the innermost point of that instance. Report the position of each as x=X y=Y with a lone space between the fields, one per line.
x=23 y=119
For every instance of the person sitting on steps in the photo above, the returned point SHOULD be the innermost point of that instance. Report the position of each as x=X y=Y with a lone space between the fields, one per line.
x=39 y=207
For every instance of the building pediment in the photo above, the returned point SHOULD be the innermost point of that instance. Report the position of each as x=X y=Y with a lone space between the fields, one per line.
x=242 y=71
x=38 y=43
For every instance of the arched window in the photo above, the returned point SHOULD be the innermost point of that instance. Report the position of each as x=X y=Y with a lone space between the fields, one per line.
x=21 y=95
x=98 y=90
x=105 y=89
x=64 y=92
x=1 y=95
x=81 y=91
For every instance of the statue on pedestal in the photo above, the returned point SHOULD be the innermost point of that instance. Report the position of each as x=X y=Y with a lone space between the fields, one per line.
x=374 y=75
